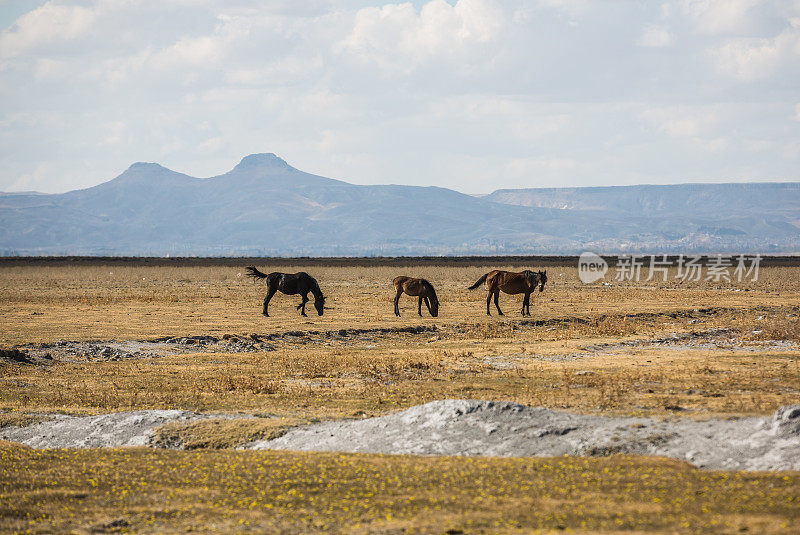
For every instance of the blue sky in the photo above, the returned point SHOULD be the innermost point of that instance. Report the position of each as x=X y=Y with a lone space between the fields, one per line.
x=473 y=95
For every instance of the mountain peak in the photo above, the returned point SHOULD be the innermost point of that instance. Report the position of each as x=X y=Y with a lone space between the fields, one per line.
x=144 y=173
x=145 y=166
x=267 y=159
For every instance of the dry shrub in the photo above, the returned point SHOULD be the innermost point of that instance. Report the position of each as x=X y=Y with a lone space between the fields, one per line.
x=503 y=329
x=15 y=419
x=608 y=326
x=366 y=364
x=607 y=391
x=220 y=434
x=780 y=329
x=252 y=383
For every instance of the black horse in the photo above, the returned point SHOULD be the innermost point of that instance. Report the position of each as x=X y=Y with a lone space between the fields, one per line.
x=291 y=284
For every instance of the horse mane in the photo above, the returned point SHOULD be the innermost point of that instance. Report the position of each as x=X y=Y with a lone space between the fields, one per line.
x=429 y=286
x=532 y=277
x=317 y=291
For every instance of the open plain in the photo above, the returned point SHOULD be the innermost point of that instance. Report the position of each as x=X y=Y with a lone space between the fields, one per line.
x=178 y=353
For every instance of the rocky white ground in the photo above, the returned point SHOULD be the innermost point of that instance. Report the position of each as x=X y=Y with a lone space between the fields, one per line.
x=112 y=350
x=131 y=428
x=469 y=427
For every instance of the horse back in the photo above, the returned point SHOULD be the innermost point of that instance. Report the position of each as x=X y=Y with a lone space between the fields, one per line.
x=494 y=278
x=515 y=283
x=293 y=283
x=411 y=286
x=400 y=282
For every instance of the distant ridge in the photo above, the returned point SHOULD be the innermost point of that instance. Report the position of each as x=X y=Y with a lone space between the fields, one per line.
x=266 y=207
x=742 y=196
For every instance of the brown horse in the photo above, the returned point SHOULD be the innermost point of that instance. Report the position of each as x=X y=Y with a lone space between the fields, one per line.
x=512 y=283
x=417 y=288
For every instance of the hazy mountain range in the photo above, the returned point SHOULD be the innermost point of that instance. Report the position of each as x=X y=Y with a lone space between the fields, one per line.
x=264 y=206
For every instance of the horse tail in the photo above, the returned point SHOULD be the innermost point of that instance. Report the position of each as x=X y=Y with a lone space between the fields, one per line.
x=480 y=281
x=256 y=274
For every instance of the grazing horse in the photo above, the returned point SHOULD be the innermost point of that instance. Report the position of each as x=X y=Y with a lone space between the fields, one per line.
x=416 y=287
x=512 y=283
x=290 y=284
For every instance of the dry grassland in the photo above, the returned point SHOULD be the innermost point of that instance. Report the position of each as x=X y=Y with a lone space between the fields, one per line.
x=660 y=349
x=321 y=374
x=285 y=492
x=47 y=302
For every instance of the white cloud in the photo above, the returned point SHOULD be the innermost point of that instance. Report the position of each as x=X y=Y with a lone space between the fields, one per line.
x=681 y=121
x=398 y=38
x=470 y=94
x=190 y=51
x=655 y=36
x=751 y=59
x=50 y=24
x=721 y=17
x=572 y=8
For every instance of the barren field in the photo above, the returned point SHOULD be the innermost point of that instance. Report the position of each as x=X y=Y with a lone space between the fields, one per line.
x=85 y=339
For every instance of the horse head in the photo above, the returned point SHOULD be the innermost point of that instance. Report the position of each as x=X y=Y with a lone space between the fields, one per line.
x=542 y=279
x=531 y=278
x=319 y=304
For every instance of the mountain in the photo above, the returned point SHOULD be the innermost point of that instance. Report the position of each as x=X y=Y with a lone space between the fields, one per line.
x=781 y=198
x=264 y=206
x=743 y=213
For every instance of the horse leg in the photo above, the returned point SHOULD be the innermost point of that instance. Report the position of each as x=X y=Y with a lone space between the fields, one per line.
x=302 y=305
x=419 y=306
x=524 y=302
x=270 y=293
x=497 y=302
x=397 y=302
x=488 y=303
x=428 y=305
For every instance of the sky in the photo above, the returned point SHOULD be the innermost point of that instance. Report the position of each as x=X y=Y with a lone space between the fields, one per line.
x=473 y=95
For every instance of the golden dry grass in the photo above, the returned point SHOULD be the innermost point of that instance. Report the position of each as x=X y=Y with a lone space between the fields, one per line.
x=576 y=354
x=221 y=433
x=472 y=356
x=284 y=492
x=44 y=302
x=334 y=383
x=16 y=419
